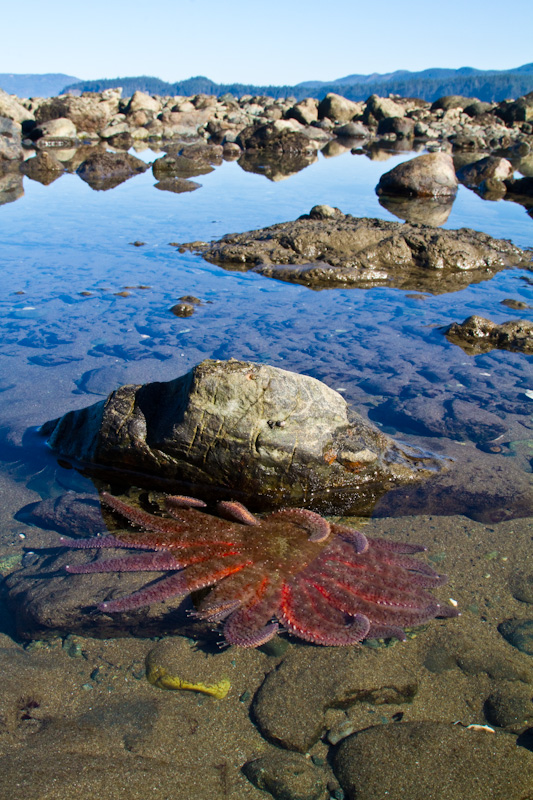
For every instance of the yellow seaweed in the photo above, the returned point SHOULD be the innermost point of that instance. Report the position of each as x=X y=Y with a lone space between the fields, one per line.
x=158 y=676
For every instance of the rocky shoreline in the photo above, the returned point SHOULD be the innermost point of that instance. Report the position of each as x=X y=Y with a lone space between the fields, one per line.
x=44 y=137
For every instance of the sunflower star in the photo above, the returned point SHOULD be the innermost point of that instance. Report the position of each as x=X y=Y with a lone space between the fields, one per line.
x=324 y=582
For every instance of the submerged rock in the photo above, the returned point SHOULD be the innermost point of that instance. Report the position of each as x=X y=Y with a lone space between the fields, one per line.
x=422 y=760
x=341 y=251
x=287 y=776
x=479 y=335
x=268 y=436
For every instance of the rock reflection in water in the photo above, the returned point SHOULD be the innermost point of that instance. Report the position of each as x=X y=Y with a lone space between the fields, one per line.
x=275 y=168
x=420 y=210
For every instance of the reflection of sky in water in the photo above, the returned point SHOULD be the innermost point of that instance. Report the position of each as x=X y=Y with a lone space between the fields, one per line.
x=63 y=239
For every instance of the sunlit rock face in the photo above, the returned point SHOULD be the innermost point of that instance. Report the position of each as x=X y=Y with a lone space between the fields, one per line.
x=254 y=432
x=327 y=249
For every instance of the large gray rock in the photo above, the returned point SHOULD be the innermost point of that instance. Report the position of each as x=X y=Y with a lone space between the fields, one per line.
x=338 y=108
x=429 y=175
x=306 y=111
x=90 y=112
x=491 y=167
x=12 y=108
x=268 y=436
x=423 y=760
x=60 y=128
x=10 y=136
x=520 y=110
x=283 y=137
x=380 y=108
x=450 y=101
x=331 y=249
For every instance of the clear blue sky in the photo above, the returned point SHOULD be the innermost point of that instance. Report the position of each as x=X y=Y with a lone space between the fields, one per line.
x=261 y=41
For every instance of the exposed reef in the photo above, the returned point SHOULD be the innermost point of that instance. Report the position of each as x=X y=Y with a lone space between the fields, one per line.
x=329 y=249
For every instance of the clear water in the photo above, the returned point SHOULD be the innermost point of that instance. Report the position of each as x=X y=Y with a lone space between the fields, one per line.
x=62 y=350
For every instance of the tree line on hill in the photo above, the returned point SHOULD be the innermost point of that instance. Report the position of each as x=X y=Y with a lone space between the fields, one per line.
x=485 y=86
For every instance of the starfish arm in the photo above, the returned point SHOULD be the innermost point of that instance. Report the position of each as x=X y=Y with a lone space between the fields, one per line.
x=164 y=589
x=239 y=633
x=230 y=509
x=316 y=526
x=358 y=539
x=181 y=501
x=141 y=562
x=98 y=542
x=139 y=517
x=386 y=632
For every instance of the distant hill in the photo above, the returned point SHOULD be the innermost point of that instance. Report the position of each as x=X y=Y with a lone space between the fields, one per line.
x=426 y=74
x=430 y=84
x=35 y=85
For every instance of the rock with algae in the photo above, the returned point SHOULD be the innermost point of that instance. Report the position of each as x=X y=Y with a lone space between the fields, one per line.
x=173 y=664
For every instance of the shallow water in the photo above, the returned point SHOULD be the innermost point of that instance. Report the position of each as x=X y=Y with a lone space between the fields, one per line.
x=63 y=350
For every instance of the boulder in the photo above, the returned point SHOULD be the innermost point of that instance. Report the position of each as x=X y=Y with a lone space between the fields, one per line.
x=305 y=112
x=338 y=108
x=352 y=130
x=450 y=101
x=479 y=335
x=478 y=108
x=145 y=102
x=379 y=108
x=429 y=175
x=103 y=170
x=491 y=167
x=10 y=144
x=90 y=112
x=60 y=128
x=402 y=127
x=11 y=108
x=265 y=435
x=342 y=250
x=520 y=110
x=282 y=137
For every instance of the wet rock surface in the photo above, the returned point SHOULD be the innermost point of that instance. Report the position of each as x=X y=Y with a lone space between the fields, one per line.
x=332 y=249
x=104 y=170
x=430 y=759
x=479 y=335
x=492 y=167
x=294 y=439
